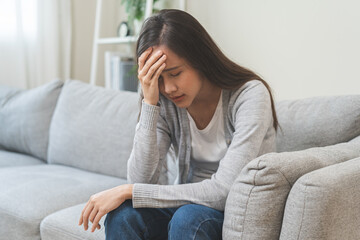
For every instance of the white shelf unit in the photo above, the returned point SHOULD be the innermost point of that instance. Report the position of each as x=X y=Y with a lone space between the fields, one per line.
x=129 y=39
x=116 y=40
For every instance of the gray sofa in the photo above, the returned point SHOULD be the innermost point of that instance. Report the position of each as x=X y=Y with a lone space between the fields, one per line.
x=64 y=141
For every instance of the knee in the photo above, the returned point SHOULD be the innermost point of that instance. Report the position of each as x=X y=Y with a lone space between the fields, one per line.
x=189 y=215
x=119 y=216
x=195 y=222
x=183 y=218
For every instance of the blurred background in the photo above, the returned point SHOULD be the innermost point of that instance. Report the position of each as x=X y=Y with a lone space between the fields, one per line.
x=301 y=48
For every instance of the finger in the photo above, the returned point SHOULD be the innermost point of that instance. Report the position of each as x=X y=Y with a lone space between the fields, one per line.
x=99 y=215
x=146 y=77
x=143 y=57
x=93 y=214
x=82 y=213
x=150 y=62
x=157 y=73
x=86 y=216
x=155 y=68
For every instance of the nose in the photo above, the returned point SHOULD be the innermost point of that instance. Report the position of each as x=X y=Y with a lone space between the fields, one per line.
x=169 y=87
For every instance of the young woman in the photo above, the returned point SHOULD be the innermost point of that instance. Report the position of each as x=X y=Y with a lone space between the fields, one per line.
x=215 y=114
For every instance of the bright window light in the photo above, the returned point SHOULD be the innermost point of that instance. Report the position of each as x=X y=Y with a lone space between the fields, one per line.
x=7 y=18
x=16 y=15
x=29 y=17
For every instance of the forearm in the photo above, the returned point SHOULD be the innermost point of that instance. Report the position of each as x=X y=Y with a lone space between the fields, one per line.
x=208 y=193
x=151 y=142
x=144 y=160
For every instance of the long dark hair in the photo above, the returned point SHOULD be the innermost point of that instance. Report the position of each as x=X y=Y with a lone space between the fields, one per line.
x=187 y=38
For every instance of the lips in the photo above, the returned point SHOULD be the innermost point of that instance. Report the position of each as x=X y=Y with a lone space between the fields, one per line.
x=177 y=98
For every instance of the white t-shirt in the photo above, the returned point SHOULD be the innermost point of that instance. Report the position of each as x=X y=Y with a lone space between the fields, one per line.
x=208 y=146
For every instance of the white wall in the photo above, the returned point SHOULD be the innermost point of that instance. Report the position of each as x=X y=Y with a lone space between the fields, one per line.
x=302 y=48
x=83 y=15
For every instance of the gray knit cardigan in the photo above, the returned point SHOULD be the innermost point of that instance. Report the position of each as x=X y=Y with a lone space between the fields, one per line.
x=249 y=133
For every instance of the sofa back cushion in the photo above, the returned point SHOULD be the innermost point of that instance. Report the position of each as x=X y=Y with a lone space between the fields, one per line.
x=25 y=117
x=317 y=122
x=93 y=128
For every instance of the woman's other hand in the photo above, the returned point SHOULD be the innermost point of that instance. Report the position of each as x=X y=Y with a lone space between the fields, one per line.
x=102 y=203
x=150 y=68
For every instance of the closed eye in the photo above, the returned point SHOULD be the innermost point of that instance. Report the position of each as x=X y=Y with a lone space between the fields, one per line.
x=175 y=75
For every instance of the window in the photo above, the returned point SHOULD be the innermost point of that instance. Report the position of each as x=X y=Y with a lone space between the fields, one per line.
x=18 y=18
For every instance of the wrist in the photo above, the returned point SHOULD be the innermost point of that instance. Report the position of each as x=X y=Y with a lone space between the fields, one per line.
x=124 y=191
x=150 y=102
x=128 y=191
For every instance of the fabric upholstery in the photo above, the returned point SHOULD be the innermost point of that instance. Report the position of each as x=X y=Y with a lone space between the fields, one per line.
x=30 y=193
x=255 y=204
x=6 y=92
x=325 y=204
x=63 y=225
x=93 y=128
x=355 y=140
x=25 y=118
x=317 y=121
x=13 y=159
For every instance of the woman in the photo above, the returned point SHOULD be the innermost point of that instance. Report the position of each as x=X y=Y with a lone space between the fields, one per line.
x=215 y=114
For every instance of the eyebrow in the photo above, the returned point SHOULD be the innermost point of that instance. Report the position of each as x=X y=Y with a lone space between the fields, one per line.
x=169 y=69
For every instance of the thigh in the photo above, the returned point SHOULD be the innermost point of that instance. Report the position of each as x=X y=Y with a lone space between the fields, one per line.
x=195 y=221
x=126 y=222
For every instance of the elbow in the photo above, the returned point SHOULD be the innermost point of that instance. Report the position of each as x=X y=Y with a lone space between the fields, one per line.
x=219 y=198
x=219 y=203
x=135 y=178
x=134 y=173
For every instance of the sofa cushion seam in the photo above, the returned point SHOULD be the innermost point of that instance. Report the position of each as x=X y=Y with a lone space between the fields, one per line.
x=282 y=174
x=302 y=214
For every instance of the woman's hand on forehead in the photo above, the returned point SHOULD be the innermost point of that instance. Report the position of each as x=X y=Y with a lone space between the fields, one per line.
x=151 y=64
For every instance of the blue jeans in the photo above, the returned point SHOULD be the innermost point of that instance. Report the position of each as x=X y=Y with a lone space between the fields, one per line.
x=189 y=221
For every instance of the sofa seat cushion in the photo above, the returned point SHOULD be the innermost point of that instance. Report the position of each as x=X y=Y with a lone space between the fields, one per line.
x=30 y=193
x=63 y=225
x=25 y=117
x=93 y=128
x=14 y=159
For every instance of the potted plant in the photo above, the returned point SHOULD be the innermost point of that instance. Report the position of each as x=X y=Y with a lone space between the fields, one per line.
x=136 y=12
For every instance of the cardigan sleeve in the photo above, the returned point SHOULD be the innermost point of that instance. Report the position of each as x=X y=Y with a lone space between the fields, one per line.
x=151 y=144
x=252 y=115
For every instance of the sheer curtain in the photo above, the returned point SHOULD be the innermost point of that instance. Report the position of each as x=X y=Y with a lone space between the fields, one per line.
x=35 y=41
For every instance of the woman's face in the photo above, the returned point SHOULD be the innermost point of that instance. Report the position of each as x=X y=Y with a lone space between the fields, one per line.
x=178 y=82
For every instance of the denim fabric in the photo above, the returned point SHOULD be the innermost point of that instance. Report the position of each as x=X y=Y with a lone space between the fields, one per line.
x=189 y=221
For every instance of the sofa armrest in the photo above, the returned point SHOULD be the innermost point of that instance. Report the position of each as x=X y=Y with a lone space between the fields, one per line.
x=325 y=204
x=256 y=201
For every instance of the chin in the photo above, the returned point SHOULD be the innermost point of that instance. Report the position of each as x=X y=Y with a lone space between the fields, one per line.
x=181 y=104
